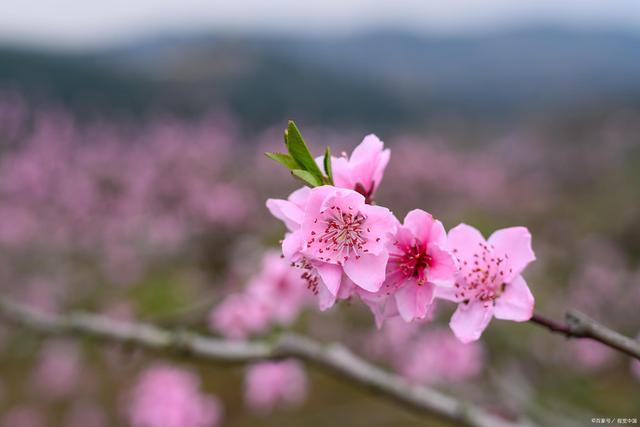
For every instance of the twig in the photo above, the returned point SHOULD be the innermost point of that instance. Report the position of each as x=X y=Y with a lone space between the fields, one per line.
x=332 y=357
x=578 y=325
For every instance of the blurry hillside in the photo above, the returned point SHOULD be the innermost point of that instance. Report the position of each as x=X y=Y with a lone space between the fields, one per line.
x=386 y=79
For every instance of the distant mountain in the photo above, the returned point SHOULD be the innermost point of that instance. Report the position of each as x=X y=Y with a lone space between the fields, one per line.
x=386 y=78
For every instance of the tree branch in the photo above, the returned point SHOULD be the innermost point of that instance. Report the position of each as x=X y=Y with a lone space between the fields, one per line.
x=331 y=357
x=578 y=325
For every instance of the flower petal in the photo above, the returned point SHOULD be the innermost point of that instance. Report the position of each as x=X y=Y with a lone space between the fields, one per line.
x=331 y=275
x=413 y=301
x=515 y=242
x=420 y=223
x=367 y=162
x=300 y=196
x=381 y=306
x=341 y=176
x=516 y=303
x=286 y=212
x=443 y=267
x=464 y=240
x=470 y=320
x=368 y=272
x=326 y=299
x=291 y=245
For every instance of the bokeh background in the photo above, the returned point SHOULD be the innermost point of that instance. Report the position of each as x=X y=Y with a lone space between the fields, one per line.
x=132 y=183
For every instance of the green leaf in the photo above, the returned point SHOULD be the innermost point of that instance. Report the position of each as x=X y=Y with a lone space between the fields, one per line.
x=307 y=177
x=327 y=166
x=284 y=159
x=300 y=152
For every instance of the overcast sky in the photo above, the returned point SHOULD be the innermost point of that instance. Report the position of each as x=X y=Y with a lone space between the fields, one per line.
x=87 y=23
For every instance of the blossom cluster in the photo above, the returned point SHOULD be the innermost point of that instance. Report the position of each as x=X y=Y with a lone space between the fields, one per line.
x=347 y=246
x=167 y=396
x=274 y=297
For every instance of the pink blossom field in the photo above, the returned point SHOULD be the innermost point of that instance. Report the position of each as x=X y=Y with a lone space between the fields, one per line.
x=165 y=219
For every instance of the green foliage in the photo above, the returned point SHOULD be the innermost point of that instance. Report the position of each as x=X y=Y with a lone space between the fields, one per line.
x=327 y=165
x=300 y=161
x=284 y=159
x=307 y=177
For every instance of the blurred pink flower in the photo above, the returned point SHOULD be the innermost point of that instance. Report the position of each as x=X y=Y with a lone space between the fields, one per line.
x=364 y=169
x=272 y=384
x=418 y=262
x=280 y=287
x=590 y=355
x=58 y=370
x=167 y=396
x=394 y=336
x=23 y=416
x=489 y=282
x=239 y=315
x=437 y=356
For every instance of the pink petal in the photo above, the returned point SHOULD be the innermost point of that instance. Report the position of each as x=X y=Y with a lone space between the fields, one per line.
x=347 y=288
x=420 y=223
x=379 y=226
x=286 y=212
x=380 y=306
x=347 y=200
x=443 y=268
x=367 y=162
x=469 y=321
x=326 y=299
x=341 y=175
x=331 y=275
x=291 y=245
x=381 y=165
x=368 y=272
x=516 y=243
x=300 y=196
x=516 y=303
x=368 y=150
x=413 y=301
x=446 y=293
x=464 y=241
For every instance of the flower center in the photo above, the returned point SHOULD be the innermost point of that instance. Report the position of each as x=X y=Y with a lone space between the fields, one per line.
x=342 y=235
x=484 y=275
x=413 y=261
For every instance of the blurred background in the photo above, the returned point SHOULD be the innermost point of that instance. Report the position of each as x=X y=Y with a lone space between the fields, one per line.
x=132 y=183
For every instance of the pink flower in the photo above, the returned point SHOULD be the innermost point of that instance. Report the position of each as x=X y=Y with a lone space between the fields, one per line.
x=269 y=384
x=590 y=355
x=291 y=212
x=418 y=262
x=280 y=287
x=436 y=356
x=238 y=316
x=362 y=171
x=166 y=396
x=341 y=234
x=58 y=371
x=489 y=281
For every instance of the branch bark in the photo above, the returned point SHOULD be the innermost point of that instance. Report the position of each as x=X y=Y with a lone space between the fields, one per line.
x=334 y=358
x=578 y=325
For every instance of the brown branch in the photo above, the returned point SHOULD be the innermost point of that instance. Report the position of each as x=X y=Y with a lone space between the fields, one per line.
x=334 y=358
x=578 y=325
